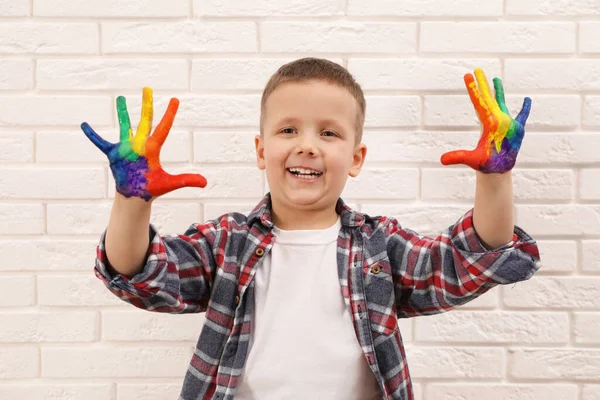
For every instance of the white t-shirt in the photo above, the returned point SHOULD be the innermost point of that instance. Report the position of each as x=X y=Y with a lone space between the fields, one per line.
x=303 y=344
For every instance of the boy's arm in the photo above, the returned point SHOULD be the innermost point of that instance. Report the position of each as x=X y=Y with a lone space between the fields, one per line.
x=493 y=215
x=127 y=238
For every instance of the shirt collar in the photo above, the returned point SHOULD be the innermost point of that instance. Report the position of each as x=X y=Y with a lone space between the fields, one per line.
x=262 y=213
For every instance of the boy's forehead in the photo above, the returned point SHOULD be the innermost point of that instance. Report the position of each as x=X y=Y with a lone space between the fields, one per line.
x=323 y=100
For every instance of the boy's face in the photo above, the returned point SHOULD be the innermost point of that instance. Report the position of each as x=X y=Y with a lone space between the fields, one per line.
x=309 y=125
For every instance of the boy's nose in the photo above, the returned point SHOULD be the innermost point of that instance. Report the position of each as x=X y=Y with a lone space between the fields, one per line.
x=306 y=146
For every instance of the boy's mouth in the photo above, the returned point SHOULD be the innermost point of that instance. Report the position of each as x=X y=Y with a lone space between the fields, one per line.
x=305 y=173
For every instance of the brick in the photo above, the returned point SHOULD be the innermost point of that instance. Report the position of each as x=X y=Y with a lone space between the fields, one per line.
x=554 y=292
x=17 y=290
x=48 y=38
x=111 y=74
x=557 y=256
x=48 y=327
x=588 y=36
x=496 y=391
x=14 y=8
x=111 y=8
x=208 y=110
x=224 y=147
x=558 y=219
x=392 y=111
x=338 y=37
x=46 y=255
x=456 y=362
x=427 y=8
x=591 y=110
x=455 y=183
x=115 y=362
x=140 y=325
x=56 y=391
x=222 y=182
x=498 y=37
x=75 y=219
x=21 y=219
x=549 y=74
x=586 y=327
x=149 y=391
x=62 y=147
x=16 y=74
x=237 y=74
x=553 y=8
x=383 y=183
x=75 y=290
x=547 y=111
x=417 y=74
x=590 y=256
x=266 y=8
x=53 y=110
x=553 y=149
x=44 y=183
x=497 y=327
x=591 y=392
x=16 y=147
x=179 y=37
x=588 y=184
x=573 y=364
x=424 y=219
x=19 y=362
x=415 y=147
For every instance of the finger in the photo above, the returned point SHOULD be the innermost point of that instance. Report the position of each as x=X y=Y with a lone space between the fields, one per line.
x=482 y=109
x=466 y=157
x=167 y=183
x=499 y=89
x=143 y=129
x=163 y=128
x=100 y=143
x=124 y=122
x=484 y=88
x=524 y=114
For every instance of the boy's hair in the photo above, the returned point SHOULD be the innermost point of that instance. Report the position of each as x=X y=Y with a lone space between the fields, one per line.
x=310 y=68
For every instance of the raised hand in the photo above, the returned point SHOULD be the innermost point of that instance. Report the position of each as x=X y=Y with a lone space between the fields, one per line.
x=135 y=161
x=501 y=137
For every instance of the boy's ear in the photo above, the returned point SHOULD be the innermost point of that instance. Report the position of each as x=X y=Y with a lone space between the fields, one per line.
x=260 y=151
x=358 y=159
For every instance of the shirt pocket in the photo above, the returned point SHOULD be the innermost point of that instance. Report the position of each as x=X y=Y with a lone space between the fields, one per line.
x=381 y=299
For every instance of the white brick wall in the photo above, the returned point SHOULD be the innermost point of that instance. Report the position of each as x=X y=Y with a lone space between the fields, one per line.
x=62 y=62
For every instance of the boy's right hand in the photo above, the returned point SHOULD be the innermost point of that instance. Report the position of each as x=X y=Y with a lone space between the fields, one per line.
x=134 y=161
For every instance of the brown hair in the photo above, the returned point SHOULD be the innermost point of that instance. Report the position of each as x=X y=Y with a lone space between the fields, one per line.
x=309 y=68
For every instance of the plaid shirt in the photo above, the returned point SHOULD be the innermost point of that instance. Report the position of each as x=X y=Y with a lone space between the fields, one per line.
x=385 y=272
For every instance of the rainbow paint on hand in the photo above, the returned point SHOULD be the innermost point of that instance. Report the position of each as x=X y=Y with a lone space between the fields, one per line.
x=135 y=160
x=502 y=136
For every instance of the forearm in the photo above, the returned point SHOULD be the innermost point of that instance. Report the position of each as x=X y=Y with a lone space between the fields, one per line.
x=127 y=238
x=493 y=215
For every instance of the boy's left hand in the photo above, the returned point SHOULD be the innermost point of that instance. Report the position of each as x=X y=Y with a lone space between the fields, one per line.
x=501 y=138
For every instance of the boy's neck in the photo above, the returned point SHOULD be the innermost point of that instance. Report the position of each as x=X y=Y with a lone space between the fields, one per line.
x=291 y=219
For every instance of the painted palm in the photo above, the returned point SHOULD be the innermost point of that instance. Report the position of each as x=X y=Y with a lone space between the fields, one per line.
x=502 y=135
x=135 y=160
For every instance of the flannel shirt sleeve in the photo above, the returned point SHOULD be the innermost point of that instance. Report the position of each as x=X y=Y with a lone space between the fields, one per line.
x=178 y=274
x=432 y=276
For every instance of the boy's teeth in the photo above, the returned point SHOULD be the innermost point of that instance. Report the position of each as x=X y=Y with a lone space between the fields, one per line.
x=304 y=171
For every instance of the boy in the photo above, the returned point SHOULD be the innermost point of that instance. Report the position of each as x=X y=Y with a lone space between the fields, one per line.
x=302 y=295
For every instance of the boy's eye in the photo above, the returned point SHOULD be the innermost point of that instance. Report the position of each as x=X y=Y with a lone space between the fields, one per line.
x=329 y=133
x=288 y=130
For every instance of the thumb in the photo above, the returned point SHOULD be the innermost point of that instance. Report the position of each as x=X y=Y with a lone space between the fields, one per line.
x=167 y=182
x=467 y=157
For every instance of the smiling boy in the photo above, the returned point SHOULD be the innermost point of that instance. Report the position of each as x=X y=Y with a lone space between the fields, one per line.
x=303 y=295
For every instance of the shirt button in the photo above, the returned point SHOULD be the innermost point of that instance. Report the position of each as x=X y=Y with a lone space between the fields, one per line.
x=237 y=299
x=259 y=252
x=375 y=269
